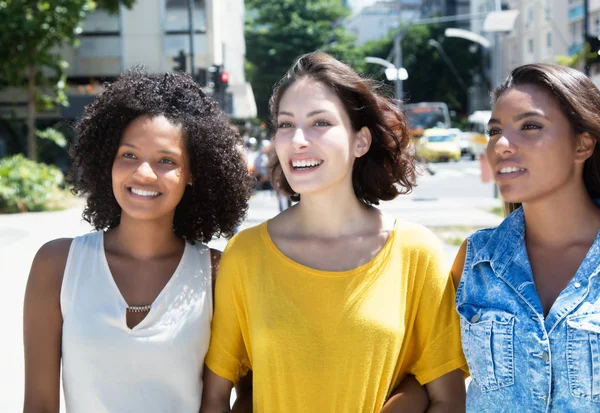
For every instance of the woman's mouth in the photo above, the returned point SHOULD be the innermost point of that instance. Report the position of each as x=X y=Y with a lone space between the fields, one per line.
x=142 y=193
x=305 y=164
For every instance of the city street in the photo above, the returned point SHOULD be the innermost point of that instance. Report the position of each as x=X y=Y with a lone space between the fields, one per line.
x=452 y=197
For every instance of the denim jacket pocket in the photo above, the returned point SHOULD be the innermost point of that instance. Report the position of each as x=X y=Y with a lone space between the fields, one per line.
x=487 y=339
x=583 y=355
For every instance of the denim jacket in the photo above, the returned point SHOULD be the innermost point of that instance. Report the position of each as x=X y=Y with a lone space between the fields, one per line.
x=520 y=360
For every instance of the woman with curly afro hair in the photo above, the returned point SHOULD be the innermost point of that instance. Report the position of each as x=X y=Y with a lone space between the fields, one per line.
x=127 y=308
x=335 y=306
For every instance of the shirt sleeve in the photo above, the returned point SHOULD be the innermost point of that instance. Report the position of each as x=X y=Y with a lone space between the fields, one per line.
x=227 y=354
x=436 y=337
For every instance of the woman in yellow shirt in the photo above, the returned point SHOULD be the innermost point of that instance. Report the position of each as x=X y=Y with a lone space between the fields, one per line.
x=332 y=304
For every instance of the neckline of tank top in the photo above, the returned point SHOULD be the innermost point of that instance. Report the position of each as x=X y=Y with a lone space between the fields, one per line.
x=122 y=302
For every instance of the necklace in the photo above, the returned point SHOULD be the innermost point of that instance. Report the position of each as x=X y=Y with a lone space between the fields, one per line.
x=139 y=308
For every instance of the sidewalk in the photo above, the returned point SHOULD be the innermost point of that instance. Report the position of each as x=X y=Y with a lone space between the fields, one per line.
x=21 y=235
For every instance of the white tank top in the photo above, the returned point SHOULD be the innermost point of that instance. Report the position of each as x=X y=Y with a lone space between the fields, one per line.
x=155 y=366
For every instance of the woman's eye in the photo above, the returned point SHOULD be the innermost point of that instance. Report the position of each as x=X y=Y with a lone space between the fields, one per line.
x=167 y=161
x=322 y=122
x=492 y=132
x=531 y=126
x=283 y=125
x=128 y=155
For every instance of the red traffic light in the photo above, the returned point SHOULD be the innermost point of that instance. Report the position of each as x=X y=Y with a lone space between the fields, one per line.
x=225 y=77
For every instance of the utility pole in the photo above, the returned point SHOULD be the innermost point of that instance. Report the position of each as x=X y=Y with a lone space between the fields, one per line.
x=190 y=5
x=586 y=33
x=398 y=63
x=397 y=49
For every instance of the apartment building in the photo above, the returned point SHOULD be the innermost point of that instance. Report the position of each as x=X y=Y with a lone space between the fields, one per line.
x=539 y=35
x=376 y=21
x=152 y=34
x=575 y=33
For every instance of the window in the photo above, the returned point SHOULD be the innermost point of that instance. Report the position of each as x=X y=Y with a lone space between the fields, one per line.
x=530 y=45
x=529 y=17
x=549 y=39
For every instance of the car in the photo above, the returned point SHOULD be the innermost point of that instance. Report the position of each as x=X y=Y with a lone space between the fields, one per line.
x=437 y=145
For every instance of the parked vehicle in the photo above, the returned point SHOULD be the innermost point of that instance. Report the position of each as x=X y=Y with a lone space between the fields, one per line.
x=437 y=145
x=476 y=133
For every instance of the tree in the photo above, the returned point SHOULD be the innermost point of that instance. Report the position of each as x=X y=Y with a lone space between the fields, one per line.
x=278 y=31
x=32 y=31
x=429 y=77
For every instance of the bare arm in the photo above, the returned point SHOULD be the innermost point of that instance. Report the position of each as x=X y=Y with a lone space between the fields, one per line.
x=42 y=328
x=243 y=389
x=408 y=397
x=459 y=264
x=216 y=393
x=447 y=393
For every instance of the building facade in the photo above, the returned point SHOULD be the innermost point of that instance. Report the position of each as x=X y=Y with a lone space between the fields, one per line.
x=152 y=34
x=376 y=21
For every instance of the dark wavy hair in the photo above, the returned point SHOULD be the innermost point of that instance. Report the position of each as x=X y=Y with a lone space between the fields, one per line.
x=578 y=99
x=387 y=169
x=218 y=200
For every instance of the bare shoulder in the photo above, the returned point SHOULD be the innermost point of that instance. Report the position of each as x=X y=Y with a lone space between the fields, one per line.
x=51 y=258
x=47 y=269
x=284 y=223
x=459 y=263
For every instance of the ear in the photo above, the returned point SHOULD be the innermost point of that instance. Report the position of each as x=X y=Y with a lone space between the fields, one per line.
x=363 y=142
x=585 y=147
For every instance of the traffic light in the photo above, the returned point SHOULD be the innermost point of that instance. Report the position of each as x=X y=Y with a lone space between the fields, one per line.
x=593 y=45
x=221 y=80
x=181 y=60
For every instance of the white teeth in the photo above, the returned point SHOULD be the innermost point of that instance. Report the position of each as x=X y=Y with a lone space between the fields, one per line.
x=306 y=163
x=144 y=193
x=511 y=169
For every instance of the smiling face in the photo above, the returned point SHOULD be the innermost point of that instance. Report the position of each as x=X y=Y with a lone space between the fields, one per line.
x=151 y=169
x=532 y=147
x=315 y=142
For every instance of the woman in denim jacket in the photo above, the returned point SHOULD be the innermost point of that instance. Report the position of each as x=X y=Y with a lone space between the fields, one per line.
x=528 y=292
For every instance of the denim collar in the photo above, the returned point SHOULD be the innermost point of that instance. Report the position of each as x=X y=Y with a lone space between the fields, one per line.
x=505 y=241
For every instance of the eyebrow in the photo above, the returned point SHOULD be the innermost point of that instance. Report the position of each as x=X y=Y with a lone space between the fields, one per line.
x=314 y=112
x=163 y=151
x=521 y=116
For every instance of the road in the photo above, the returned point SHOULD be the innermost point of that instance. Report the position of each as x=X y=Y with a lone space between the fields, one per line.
x=454 y=195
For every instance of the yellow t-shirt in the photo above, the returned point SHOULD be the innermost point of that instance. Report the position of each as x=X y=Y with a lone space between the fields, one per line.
x=333 y=342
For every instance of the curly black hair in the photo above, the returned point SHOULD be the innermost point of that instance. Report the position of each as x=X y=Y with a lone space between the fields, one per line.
x=218 y=200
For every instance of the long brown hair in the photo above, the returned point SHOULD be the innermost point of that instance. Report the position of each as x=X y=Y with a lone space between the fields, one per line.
x=387 y=169
x=579 y=101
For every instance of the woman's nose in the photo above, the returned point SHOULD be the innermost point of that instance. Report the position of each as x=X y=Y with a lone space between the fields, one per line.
x=299 y=139
x=145 y=172
x=504 y=145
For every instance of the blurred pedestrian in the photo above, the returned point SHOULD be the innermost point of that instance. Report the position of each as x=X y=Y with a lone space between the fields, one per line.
x=331 y=303
x=261 y=166
x=528 y=291
x=127 y=309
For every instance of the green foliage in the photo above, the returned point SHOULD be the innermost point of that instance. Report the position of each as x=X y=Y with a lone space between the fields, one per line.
x=577 y=59
x=26 y=185
x=53 y=135
x=429 y=77
x=278 y=31
x=31 y=32
x=30 y=40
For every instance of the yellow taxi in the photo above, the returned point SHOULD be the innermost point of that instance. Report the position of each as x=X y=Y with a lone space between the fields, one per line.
x=437 y=145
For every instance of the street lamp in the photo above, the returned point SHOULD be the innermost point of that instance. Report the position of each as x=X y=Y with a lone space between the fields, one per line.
x=397 y=74
x=447 y=60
